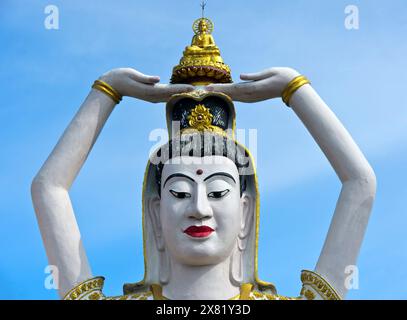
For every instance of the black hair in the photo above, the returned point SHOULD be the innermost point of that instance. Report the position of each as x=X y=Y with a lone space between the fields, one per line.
x=201 y=144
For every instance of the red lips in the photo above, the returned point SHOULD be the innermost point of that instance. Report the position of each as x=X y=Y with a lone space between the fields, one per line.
x=199 y=232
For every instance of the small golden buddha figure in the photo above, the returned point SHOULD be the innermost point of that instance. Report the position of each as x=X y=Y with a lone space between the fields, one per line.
x=202 y=59
x=203 y=38
x=203 y=42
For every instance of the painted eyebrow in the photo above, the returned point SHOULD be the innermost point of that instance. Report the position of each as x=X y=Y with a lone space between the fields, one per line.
x=221 y=174
x=175 y=175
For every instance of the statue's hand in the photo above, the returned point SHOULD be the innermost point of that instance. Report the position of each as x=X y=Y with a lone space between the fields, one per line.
x=132 y=83
x=266 y=84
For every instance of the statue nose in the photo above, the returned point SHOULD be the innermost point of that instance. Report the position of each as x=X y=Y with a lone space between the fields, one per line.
x=201 y=207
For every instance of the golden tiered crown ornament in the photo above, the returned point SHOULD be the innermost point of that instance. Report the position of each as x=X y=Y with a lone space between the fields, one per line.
x=201 y=63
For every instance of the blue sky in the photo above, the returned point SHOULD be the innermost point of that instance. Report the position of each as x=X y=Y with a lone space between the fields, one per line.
x=46 y=74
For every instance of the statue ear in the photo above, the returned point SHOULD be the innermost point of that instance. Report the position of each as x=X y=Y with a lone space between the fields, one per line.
x=154 y=210
x=247 y=206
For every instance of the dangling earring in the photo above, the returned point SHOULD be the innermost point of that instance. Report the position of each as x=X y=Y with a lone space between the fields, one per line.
x=236 y=265
x=241 y=244
x=165 y=267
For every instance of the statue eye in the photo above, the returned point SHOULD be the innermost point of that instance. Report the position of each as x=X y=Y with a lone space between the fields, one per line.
x=218 y=194
x=180 y=195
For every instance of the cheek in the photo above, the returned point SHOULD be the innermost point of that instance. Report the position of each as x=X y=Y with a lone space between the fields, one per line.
x=171 y=215
x=227 y=215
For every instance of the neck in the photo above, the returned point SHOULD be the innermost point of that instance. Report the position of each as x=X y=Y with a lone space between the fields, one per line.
x=210 y=282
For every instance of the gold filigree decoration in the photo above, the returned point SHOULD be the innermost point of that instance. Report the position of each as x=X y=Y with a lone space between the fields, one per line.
x=256 y=295
x=95 y=296
x=89 y=289
x=319 y=284
x=309 y=295
x=200 y=118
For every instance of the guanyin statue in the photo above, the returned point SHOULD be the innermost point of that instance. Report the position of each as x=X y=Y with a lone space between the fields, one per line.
x=200 y=193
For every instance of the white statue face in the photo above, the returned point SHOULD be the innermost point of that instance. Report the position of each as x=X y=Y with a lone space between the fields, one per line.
x=201 y=212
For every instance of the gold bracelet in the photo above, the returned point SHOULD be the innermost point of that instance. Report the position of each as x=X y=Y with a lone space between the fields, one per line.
x=292 y=87
x=108 y=90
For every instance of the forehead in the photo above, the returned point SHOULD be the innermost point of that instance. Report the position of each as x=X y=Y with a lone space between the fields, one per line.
x=205 y=165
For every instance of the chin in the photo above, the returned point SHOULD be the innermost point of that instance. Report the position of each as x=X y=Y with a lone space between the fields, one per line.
x=200 y=254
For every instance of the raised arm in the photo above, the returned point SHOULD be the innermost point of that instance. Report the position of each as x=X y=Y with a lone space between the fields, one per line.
x=355 y=201
x=52 y=204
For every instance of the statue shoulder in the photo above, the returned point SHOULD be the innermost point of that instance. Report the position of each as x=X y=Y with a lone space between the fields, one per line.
x=92 y=289
x=314 y=287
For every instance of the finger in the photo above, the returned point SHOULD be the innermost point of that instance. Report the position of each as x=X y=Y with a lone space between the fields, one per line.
x=162 y=92
x=258 y=75
x=141 y=77
x=243 y=91
x=171 y=89
x=226 y=88
x=151 y=79
x=236 y=91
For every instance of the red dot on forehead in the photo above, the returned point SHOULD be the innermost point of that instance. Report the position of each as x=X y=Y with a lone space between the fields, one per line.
x=199 y=172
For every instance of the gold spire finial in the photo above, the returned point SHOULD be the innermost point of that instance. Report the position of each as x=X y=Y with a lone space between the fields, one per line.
x=203 y=5
x=202 y=63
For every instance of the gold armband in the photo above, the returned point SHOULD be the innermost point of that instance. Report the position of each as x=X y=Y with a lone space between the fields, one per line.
x=314 y=286
x=108 y=90
x=292 y=87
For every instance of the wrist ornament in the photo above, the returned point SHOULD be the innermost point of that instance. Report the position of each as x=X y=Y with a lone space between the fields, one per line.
x=292 y=87
x=108 y=90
